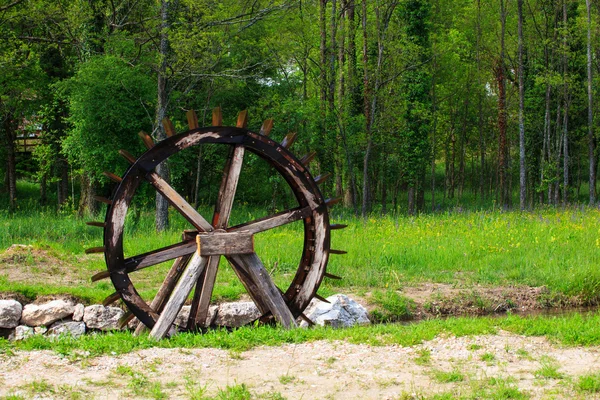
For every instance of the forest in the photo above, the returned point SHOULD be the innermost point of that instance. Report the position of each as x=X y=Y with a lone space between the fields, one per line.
x=412 y=105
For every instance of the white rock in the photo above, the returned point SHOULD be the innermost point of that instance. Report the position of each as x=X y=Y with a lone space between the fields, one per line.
x=103 y=318
x=78 y=312
x=67 y=328
x=40 y=330
x=21 y=332
x=236 y=314
x=10 y=313
x=184 y=314
x=47 y=313
x=341 y=312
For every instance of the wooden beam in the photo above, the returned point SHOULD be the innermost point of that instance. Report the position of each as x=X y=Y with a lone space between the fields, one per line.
x=242 y=120
x=273 y=221
x=192 y=119
x=148 y=142
x=266 y=127
x=112 y=177
x=225 y=243
x=289 y=140
x=180 y=293
x=169 y=127
x=217 y=117
x=127 y=156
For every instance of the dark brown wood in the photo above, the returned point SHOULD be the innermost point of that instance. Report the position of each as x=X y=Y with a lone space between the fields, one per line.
x=148 y=142
x=306 y=319
x=242 y=121
x=93 y=250
x=177 y=201
x=166 y=288
x=268 y=292
x=111 y=299
x=332 y=251
x=273 y=221
x=217 y=117
x=96 y=224
x=192 y=119
x=322 y=178
x=181 y=291
x=225 y=243
x=127 y=156
x=323 y=299
x=112 y=177
x=337 y=226
x=103 y=200
x=169 y=127
x=307 y=158
x=266 y=127
x=331 y=276
x=289 y=140
x=100 y=275
x=125 y=319
x=333 y=201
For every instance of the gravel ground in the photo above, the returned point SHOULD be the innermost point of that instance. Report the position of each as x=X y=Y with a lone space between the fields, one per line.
x=478 y=366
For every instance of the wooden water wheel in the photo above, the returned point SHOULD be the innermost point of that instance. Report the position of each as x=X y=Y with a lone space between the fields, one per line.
x=196 y=257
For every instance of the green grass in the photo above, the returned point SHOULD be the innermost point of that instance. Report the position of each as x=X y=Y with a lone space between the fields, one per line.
x=449 y=376
x=589 y=383
x=569 y=330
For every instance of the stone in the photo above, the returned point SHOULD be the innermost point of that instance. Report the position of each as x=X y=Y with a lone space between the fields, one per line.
x=21 y=332
x=78 y=312
x=40 y=330
x=236 y=314
x=104 y=318
x=340 y=312
x=184 y=314
x=10 y=313
x=67 y=328
x=46 y=313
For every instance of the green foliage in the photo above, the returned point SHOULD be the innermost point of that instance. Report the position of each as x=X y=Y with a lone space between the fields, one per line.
x=109 y=102
x=589 y=383
x=392 y=306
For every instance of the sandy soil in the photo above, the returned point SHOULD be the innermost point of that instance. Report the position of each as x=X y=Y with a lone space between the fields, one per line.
x=317 y=370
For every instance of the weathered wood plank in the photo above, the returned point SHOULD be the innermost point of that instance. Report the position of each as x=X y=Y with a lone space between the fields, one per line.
x=217 y=117
x=331 y=276
x=242 y=121
x=127 y=156
x=266 y=127
x=307 y=158
x=333 y=201
x=111 y=299
x=289 y=140
x=225 y=243
x=323 y=299
x=273 y=221
x=180 y=293
x=169 y=127
x=166 y=288
x=179 y=202
x=267 y=291
x=96 y=224
x=93 y=250
x=112 y=177
x=322 y=178
x=204 y=288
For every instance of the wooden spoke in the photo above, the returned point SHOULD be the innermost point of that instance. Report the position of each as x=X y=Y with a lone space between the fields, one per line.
x=267 y=291
x=179 y=202
x=242 y=121
x=323 y=299
x=217 y=117
x=333 y=201
x=148 y=142
x=111 y=299
x=180 y=293
x=93 y=250
x=103 y=200
x=166 y=288
x=307 y=158
x=112 y=177
x=158 y=256
x=322 y=178
x=273 y=221
x=231 y=175
x=96 y=224
x=266 y=127
x=337 y=226
x=289 y=140
x=169 y=127
x=192 y=119
x=332 y=251
x=128 y=156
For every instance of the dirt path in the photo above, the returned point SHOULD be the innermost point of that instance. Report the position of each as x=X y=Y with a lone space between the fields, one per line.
x=482 y=366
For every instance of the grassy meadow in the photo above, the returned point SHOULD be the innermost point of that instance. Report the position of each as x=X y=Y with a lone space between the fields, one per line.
x=552 y=247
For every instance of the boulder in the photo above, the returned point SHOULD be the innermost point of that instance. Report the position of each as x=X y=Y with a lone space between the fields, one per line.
x=236 y=314
x=10 y=313
x=184 y=314
x=78 y=312
x=46 y=313
x=103 y=318
x=340 y=312
x=67 y=328
x=22 y=332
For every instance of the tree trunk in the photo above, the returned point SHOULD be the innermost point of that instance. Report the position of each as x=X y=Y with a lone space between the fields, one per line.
x=11 y=163
x=566 y=112
x=367 y=113
x=591 y=137
x=522 y=182
x=162 y=205
x=502 y=140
